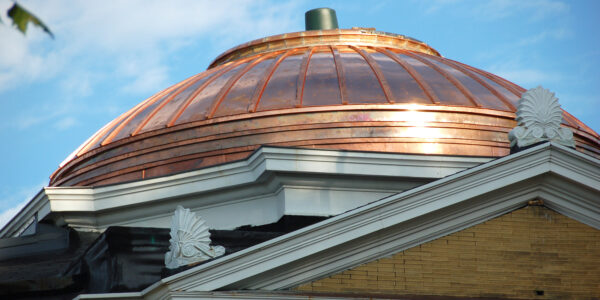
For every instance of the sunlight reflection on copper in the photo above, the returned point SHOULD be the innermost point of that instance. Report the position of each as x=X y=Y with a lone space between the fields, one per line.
x=431 y=148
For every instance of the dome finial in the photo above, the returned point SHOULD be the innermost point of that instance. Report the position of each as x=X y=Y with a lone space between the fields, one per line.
x=321 y=19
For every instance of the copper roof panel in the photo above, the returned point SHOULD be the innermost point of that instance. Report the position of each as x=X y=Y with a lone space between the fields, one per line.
x=112 y=130
x=445 y=91
x=361 y=84
x=237 y=100
x=569 y=120
x=510 y=96
x=200 y=103
x=101 y=135
x=160 y=114
x=403 y=86
x=280 y=91
x=517 y=90
x=483 y=95
x=135 y=119
x=321 y=86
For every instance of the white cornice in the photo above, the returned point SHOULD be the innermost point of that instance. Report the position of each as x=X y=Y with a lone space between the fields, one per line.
x=93 y=207
x=38 y=207
x=404 y=220
x=265 y=159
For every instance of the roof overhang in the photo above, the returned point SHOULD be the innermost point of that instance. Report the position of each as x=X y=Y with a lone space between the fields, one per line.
x=272 y=182
x=564 y=179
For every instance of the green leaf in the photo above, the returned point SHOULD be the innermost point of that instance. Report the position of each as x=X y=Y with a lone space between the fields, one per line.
x=21 y=17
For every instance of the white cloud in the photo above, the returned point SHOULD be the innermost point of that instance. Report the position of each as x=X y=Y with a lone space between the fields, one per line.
x=66 y=123
x=537 y=9
x=151 y=80
x=555 y=34
x=524 y=74
x=120 y=29
x=78 y=84
x=144 y=73
x=18 y=65
x=49 y=112
x=129 y=42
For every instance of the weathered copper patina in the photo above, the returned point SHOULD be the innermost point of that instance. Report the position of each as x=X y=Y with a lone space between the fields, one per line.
x=352 y=89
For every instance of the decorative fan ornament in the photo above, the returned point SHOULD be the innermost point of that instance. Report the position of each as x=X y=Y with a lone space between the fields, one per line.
x=190 y=240
x=538 y=119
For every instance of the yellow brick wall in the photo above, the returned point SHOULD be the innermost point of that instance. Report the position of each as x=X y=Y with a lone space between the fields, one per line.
x=513 y=256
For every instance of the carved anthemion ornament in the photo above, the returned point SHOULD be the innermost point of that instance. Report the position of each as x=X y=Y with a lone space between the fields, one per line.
x=190 y=240
x=538 y=119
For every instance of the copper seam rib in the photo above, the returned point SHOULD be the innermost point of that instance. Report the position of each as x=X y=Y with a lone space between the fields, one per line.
x=108 y=127
x=331 y=122
x=577 y=123
x=198 y=90
x=402 y=106
x=504 y=83
x=236 y=150
x=517 y=88
x=227 y=87
x=310 y=141
x=198 y=75
x=415 y=75
x=378 y=74
x=501 y=81
x=87 y=144
x=164 y=102
x=260 y=87
x=344 y=108
x=304 y=35
x=133 y=169
x=250 y=134
x=302 y=77
x=449 y=77
x=115 y=122
x=483 y=83
x=233 y=134
x=146 y=103
x=339 y=68
x=425 y=107
x=119 y=143
x=569 y=121
x=99 y=135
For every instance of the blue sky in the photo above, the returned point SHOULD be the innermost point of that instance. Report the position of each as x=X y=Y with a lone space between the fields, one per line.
x=110 y=55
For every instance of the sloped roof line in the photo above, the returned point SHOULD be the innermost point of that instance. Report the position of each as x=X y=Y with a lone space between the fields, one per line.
x=566 y=180
x=525 y=168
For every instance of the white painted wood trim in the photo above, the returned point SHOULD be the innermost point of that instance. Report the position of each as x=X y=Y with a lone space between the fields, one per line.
x=454 y=202
x=87 y=202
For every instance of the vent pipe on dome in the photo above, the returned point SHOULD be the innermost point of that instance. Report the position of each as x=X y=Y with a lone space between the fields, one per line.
x=320 y=19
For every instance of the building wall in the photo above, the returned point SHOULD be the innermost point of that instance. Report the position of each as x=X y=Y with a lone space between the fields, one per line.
x=523 y=254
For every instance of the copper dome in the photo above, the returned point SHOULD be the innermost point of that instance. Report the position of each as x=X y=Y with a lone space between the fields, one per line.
x=355 y=89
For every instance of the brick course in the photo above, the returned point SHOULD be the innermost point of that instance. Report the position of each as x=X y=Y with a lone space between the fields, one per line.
x=518 y=255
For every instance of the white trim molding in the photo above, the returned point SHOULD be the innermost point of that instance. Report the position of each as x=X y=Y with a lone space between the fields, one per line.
x=272 y=182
